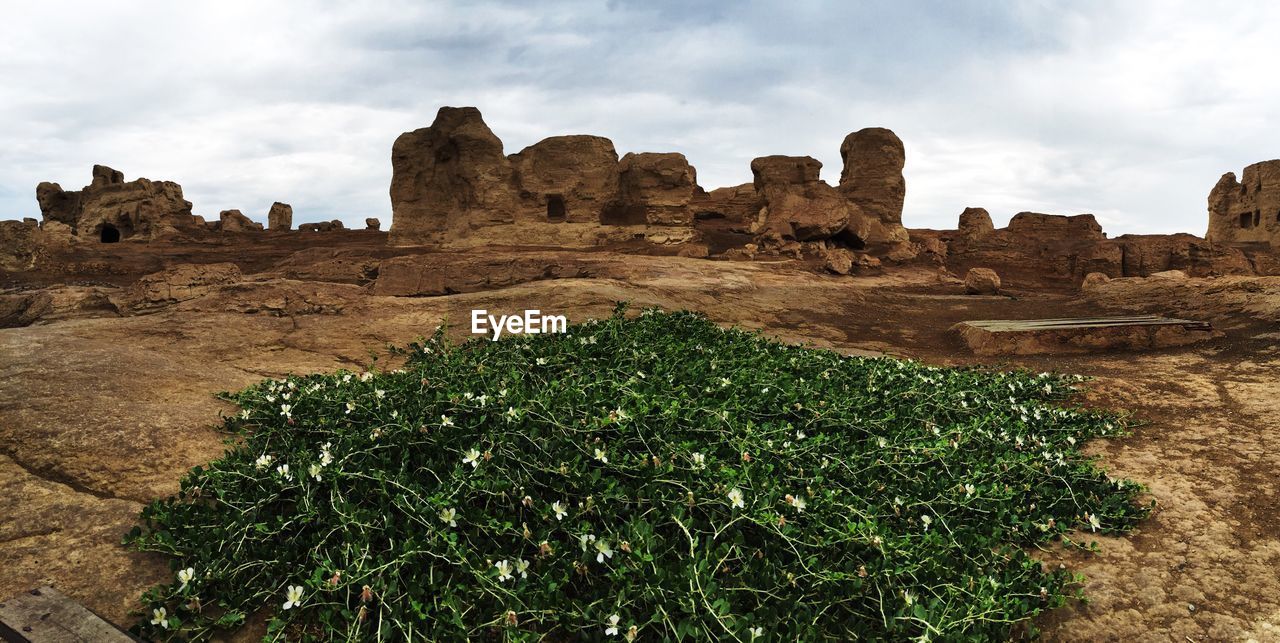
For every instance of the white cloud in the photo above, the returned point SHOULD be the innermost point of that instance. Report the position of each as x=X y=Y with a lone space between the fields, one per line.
x=1128 y=110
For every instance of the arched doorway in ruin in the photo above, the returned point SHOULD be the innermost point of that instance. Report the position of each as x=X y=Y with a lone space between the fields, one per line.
x=110 y=233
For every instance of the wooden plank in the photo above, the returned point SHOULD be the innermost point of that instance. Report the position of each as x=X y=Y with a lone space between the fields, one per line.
x=1020 y=325
x=45 y=615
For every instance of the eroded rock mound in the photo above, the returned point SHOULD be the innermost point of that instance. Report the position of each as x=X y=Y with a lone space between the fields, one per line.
x=872 y=178
x=236 y=221
x=372 y=223
x=452 y=186
x=449 y=177
x=981 y=281
x=110 y=209
x=799 y=206
x=1247 y=210
x=280 y=216
x=566 y=178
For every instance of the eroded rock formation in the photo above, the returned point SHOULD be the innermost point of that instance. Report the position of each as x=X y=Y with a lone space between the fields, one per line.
x=111 y=209
x=452 y=186
x=1247 y=210
x=236 y=221
x=872 y=179
x=280 y=216
x=1040 y=248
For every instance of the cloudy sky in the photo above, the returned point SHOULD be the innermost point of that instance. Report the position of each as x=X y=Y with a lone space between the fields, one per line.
x=1130 y=110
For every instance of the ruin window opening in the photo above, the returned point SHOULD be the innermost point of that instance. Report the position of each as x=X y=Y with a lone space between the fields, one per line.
x=1246 y=219
x=109 y=234
x=555 y=208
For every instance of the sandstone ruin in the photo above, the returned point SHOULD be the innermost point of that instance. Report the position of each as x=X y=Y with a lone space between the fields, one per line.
x=110 y=209
x=452 y=186
x=1248 y=210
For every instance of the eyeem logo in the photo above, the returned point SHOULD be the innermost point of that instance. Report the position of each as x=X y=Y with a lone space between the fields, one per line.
x=532 y=322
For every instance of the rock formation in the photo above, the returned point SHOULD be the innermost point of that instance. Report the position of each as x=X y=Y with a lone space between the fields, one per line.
x=872 y=179
x=565 y=179
x=236 y=221
x=797 y=205
x=981 y=281
x=653 y=189
x=1040 y=248
x=372 y=223
x=280 y=216
x=110 y=209
x=452 y=186
x=1247 y=210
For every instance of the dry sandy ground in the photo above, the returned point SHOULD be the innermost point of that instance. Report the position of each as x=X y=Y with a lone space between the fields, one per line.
x=100 y=415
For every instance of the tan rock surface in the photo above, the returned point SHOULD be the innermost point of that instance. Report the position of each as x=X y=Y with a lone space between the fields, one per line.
x=99 y=415
x=280 y=216
x=981 y=281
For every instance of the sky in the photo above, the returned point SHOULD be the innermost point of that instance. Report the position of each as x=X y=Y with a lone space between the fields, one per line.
x=1128 y=110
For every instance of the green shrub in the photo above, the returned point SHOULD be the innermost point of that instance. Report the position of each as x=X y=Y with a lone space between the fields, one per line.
x=654 y=477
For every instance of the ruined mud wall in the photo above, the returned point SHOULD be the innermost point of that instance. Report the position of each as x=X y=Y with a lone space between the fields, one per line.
x=113 y=209
x=1247 y=210
x=452 y=186
x=1053 y=250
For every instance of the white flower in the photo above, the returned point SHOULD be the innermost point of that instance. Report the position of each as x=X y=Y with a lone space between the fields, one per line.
x=699 y=460
x=263 y=461
x=541 y=361
x=926 y=520
x=446 y=420
x=366 y=376
x=512 y=413
x=293 y=596
x=504 y=570
x=186 y=576
x=906 y=596
x=244 y=415
x=797 y=502
x=969 y=489
x=736 y=498
x=882 y=442
x=449 y=515
x=605 y=551
x=326 y=458
x=271 y=399
x=800 y=435
x=346 y=378
x=632 y=633
x=586 y=539
x=756 y=632
x=522 y=568
x=160 y=616
x=1094 y=523
x=351 y=406
x=600 y=455
x=380 y=394
x=472 y=458
x=314 y=470
x=559 y=510
x=612 y=629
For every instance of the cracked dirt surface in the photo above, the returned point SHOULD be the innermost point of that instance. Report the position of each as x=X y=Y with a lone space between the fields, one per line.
x=98 y=415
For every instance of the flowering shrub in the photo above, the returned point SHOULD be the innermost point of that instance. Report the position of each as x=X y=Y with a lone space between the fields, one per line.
x=644 y=478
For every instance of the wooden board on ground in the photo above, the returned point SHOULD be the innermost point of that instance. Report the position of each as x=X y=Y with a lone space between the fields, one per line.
x=45 y=615
x=1079 y=335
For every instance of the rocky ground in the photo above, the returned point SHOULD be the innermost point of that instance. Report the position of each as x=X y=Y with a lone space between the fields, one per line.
x=106 y=398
